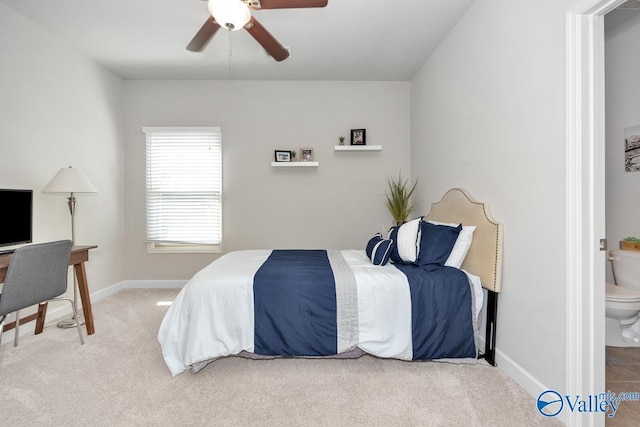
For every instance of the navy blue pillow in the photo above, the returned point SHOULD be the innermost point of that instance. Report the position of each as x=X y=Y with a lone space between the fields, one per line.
x=436 y=243
x=379 y=250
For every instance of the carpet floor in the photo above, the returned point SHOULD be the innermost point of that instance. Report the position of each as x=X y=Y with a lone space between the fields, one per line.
x=118 y=378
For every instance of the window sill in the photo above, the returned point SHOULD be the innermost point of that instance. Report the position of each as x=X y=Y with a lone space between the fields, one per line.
x=165 y=248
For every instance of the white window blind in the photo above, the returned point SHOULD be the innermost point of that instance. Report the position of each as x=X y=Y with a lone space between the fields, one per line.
x=183 y=196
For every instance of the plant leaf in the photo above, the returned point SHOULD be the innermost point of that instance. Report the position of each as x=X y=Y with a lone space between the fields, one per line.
x=399 y=198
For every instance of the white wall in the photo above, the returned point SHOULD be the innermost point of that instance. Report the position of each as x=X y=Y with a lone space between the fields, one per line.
x=338 y=205
x=488 y=115
x=623 y=111
x=57 y=109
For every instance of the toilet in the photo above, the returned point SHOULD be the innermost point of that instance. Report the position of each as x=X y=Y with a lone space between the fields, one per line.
x=622 y=306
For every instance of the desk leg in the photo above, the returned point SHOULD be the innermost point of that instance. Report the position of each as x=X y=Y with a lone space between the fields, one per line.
x=83 y=287
x=42 y=312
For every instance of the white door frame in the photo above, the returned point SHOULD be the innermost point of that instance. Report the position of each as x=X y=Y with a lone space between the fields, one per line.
x=585 y=210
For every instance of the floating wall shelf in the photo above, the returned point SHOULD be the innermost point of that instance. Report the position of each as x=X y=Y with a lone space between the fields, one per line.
x=357 y=148
x=295 y=164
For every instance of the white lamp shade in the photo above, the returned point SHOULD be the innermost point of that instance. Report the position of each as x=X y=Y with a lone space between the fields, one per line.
x=230 y=14
x=69 y=180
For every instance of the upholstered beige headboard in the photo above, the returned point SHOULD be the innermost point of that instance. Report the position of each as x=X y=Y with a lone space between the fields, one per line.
x=485 y=255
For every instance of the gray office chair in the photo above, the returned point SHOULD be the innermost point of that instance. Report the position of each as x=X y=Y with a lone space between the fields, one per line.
x=36 y=273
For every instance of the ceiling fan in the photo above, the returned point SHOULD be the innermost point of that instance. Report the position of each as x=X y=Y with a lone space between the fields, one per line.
x=235 y=14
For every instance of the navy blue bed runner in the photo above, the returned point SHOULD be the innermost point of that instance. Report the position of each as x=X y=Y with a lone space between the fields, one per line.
x=295 y=305
x=442 y=326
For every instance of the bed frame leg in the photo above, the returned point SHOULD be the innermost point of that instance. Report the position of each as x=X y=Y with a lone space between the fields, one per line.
x=490 y=336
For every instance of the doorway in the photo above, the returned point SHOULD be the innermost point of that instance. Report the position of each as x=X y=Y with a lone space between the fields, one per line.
x=585 y=201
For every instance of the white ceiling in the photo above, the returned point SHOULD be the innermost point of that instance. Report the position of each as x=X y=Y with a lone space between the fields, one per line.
x=346 y=40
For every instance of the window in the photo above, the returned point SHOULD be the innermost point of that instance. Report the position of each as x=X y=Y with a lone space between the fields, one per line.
x=183 y=189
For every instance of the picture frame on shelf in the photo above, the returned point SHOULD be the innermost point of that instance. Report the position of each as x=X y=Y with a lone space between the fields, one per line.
x=358 y=137
x=306 y=154
x=283 y=155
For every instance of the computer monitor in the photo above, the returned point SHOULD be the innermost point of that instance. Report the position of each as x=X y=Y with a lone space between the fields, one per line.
x=17 y=213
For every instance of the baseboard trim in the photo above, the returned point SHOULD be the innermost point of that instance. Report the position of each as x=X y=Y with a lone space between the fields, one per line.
x=153 y=284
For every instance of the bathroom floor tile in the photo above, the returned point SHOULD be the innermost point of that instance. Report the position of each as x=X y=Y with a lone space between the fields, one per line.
x=623 y=373
x=628 y=412
x=623 y=355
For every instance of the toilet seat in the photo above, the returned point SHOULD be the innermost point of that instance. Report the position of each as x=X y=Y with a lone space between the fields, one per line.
x=623 y=295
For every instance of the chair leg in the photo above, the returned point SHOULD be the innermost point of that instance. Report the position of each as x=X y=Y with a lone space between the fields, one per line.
x=4 y=317
x=75 y=316
x=17 y=330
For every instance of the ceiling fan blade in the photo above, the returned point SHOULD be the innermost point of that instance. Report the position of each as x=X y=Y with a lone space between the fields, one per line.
x=268 y=42
x=203 y=36
x=291 y=4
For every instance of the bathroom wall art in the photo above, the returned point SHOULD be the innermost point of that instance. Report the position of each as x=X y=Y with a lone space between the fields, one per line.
x=632 y=149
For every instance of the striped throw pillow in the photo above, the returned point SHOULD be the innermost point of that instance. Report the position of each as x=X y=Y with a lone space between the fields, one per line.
x=379 y=249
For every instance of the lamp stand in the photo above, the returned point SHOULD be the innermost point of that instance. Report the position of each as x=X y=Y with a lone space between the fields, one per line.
x=71 y=321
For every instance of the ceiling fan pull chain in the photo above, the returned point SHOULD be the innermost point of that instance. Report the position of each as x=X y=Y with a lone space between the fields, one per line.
x=229 y=65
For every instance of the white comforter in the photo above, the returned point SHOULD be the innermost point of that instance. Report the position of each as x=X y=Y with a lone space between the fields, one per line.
x=213 y=315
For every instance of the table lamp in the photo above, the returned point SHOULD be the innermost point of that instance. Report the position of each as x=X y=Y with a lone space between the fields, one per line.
x=70 y=181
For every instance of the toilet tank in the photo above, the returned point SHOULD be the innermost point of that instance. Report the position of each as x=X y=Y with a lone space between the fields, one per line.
x=626 y=268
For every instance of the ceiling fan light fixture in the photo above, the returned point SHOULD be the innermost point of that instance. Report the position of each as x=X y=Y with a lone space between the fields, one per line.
x=230 y=14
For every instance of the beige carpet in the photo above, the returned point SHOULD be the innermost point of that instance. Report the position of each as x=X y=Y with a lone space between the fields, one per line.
x=118 y=378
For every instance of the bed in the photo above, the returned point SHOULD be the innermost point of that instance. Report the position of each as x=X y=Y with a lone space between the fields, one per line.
x=423 y=305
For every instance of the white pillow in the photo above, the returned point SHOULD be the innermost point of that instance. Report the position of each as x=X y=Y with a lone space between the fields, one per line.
x=407 y=241
x=463 y=243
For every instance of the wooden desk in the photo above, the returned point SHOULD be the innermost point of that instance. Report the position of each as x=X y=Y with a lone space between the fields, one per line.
x=79 y=254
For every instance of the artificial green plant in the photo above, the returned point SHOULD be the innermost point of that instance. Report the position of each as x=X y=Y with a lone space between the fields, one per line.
x=399 y=201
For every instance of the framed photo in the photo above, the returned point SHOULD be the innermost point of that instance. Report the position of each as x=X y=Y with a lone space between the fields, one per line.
x=358 y=137
x=306 y=154
x=283 y=156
